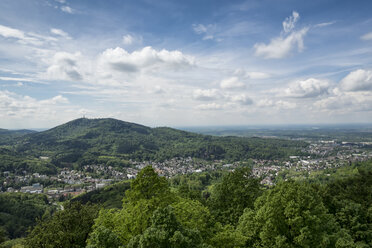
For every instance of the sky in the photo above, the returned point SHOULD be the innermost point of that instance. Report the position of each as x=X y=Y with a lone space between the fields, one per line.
x=185 y=63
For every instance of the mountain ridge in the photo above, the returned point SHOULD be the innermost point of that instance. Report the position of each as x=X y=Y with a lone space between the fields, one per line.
x=88 y=139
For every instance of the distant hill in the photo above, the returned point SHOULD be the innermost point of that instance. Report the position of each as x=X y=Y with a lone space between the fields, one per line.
x=7 y=135
x=20 y=131
x=86 y=140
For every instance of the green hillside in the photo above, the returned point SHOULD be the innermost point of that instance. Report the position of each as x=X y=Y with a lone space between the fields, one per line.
x=84 y=140
x=7 y=136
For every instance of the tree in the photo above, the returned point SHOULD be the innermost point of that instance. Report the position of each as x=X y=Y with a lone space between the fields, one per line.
x=166 y=232
x=104 y=234
x=350 y=201
x=104 y=238
x=148 y=185
x=18 y=212
x=227 y=237
x=66 y=228
x=148 y=192
x=193 y=215
x=3 y=234
x=289 y=215
x=238 y=190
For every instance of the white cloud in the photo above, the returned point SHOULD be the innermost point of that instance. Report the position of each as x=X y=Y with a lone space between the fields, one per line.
x=55 y=100
x=158 y=90
x=209 y=106
x=324 y=24
x=232 y=83
x=280 y=104
x=354 y=94
x=333 y=102
x=285 y=105
x=288 y=41
x=67 y=9
x=120 y=60
x=8 y=32
x=64 y=66
x=60 y=32
x=241 y=99
x=367 y=36
x=14 y=105
x=206 y=30
x=128 y=39
x=251 y=74
x=24 y=38
x=290 y=22
x=21 y=36
x=257 y=75
x=118 y=68
x=308 y=88
x=265 y=103
x=346 y=102
x=359 y=80
x=206 y=95
x=19 y=79
x=281 y=47
x=199 y=28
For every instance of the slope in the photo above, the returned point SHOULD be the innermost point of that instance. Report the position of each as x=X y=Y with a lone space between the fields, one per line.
x=87 y=139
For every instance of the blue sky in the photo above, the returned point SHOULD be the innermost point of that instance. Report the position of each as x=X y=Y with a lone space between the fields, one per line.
x=185 y=63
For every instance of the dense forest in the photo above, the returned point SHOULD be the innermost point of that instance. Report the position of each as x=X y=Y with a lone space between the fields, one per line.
x=7 y=136
x=218 y=209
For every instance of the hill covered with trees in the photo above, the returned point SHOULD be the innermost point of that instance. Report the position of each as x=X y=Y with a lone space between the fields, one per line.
x=87 y=141
x=6 y=136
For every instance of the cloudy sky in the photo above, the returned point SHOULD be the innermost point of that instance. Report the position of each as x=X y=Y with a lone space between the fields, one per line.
x=185 y=63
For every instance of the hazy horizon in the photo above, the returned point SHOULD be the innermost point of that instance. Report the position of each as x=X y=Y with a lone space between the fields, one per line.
x=185 y=63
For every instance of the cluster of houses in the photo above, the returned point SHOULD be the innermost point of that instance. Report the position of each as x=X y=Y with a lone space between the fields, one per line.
x=177 y=166
x=75 y=182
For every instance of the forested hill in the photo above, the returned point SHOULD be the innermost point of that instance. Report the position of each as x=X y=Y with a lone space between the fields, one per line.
x=85 y=139
x=7 y=136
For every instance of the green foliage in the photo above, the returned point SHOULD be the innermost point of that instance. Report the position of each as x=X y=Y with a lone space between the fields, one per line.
x=18 y=212
x=66 y=228
x=17 y=163
x=3 y=235
x=325 y=176
x=193 y=215
x=13 y=243
x=227 y=237
x=6 y=136
x=237 y=190
x=104 y=234
x=166 y=231
x=289 y=215
x=350 y=201
x=108 y=197
x=147 y=186
x=148 y=192
x=195 y=186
